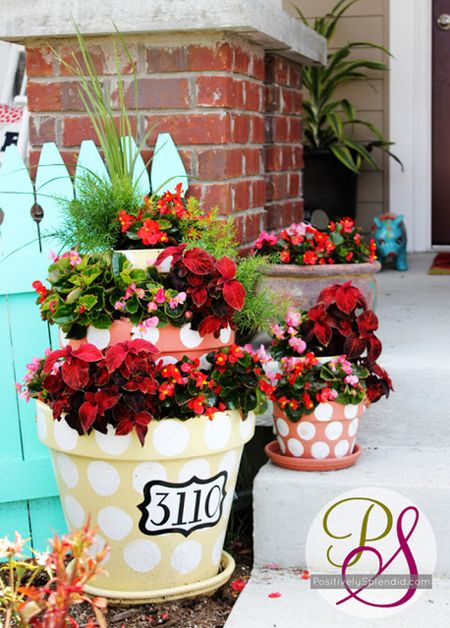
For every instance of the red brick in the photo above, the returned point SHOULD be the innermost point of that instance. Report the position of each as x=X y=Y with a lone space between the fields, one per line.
x=253 y=96
x=295 y=75
x=287 y=101
x=297 y=158
x=276 y=69
x=283 y=213
x=242 y=195
x=167 y=59
x=71 y=56
x=253 y=225
x=239 y=225
x=241 y=61
x=277 y=186
x=71 y=96
x=258 y=68
x=272 y=98
x=295 y=129
x=79 y=128
x=276 y=129
x=213 y=195
x=219 y=163
x=69 y=158
x=273 y=156
x=240 y=129
x=202 y=58
x=258 y=193
x=252 y=161
x=257 y=129
x=191 y=128
x=157 y=93
x=39 y=61
x=219 y=91
x=294 y=184
x=42 y=129
x=44 y=96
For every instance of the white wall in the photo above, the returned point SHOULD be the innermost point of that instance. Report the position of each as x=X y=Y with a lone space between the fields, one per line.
x=410 y=24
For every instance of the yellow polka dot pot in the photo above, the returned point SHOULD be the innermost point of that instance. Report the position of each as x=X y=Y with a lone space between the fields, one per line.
x=162 y=508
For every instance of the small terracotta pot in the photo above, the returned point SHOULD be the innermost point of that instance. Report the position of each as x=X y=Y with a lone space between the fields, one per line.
x=141 y=258
x=326 y=434
x=173 y=342
x=303 y=284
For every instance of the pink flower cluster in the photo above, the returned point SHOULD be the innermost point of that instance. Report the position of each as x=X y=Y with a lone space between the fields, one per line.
x=290 y=331
x=350 y=379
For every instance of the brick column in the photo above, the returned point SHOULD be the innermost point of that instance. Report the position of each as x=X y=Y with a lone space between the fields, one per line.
x=233 y=112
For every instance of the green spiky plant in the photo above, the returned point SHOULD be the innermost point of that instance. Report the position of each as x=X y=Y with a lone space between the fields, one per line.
x=329 y=122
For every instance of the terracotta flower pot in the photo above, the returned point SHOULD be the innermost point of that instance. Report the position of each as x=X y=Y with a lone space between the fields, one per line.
x=323 y=440
x=303 y=284
x=141 y=258
x=173 y=342
x=162 y=508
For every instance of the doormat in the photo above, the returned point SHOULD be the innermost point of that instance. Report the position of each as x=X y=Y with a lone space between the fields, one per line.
x=440 y=265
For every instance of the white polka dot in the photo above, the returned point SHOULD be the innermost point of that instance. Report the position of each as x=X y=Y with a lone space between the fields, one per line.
x=320 y=450
x=147 y=472
x=115 y=522
x=333 y=430
x=74 y=511
x=198 y=467
x=65 y=436
x=167 y=359
x=189 y=337
x=225 y=335
x=324 y=412
x=353 y=427
x=41 y=422
x=98 y=337
x=166 y=265
x=217 y=549
x=229 y=462
x=97 y=546
x=352 y=445
x=142 y=555
x=350 y=411
x=281 y=444
x=103 y=477
x=295 y=447
x=170 y=437
x=218 y=431
x=150 y=334
x=63 y=340
x=112 y=444
x=306 y=430
x=246 y=427
x=342 y=448
x=204 y=364
x=186 y=557
x=67 y=470
x=282 y=427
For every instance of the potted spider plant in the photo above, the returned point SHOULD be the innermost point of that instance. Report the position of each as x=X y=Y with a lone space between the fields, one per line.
x=150 y=454
x=333 y=157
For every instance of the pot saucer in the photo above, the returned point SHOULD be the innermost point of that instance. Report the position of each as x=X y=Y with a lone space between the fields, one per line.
x=272 y=450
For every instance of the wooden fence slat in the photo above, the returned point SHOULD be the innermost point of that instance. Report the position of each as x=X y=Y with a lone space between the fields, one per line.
x=140 y=178
x=167 y=166
x=89 y=162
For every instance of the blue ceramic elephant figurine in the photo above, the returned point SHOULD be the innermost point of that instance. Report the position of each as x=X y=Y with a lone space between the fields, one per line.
x=390 y=237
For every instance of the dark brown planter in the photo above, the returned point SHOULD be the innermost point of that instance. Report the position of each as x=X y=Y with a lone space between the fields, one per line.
x=303 y=284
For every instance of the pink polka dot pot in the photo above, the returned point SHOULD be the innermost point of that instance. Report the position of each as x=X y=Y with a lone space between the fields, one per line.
x=172 y=342
x=321 y=441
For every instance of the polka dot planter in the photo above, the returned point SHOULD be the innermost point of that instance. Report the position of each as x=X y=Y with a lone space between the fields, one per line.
x=173 y=342
x=162 y=509
x=323 y=440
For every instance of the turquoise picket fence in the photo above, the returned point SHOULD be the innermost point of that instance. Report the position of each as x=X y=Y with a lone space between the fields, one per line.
x=29 y=501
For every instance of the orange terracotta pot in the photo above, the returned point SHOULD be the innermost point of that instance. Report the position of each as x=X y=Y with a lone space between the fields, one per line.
x=173 y=342
x=329 y=433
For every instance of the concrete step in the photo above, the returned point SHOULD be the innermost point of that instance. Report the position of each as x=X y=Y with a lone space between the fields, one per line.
x=300 y=607
x=290 y=500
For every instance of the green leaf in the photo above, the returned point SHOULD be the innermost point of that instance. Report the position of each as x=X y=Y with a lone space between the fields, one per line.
x=88 y=301
x=344 y=156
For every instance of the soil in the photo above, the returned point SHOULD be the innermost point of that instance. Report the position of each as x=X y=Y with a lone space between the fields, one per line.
x=199 y=612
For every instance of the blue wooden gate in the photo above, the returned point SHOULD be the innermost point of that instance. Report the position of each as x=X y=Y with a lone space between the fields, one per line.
x=28 y=492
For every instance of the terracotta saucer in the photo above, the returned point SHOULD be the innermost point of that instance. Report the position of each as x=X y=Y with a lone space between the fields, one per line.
x=272 y=450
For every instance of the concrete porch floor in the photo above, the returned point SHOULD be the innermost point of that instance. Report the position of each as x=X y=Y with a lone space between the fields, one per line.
x=406 y=447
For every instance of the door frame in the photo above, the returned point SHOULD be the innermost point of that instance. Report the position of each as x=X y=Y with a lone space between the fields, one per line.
x=410 y=114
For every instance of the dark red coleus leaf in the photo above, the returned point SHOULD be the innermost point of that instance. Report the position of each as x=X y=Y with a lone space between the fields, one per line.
x=54 y=356
x=210 y=325
x=124 y=427
x=226 y=267
x=367 y=321
x=75 y=374
x=198 y=261
x=143 y=418
x=354 y=345
x=328 y=295
x=176 y=252
x=374 y=348
x=114 y=356
x=88 y=413
x=88 y=353
x=138 y=345
x=323 y=332
x=106 y=400
x=199 y=296
x=347 y=297
x=234 y=294
x=317 y=312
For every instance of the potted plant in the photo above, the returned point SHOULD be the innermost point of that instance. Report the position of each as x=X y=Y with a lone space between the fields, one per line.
x=304 y=260
x=333 y=156
x=327 y=375
x=150 y=452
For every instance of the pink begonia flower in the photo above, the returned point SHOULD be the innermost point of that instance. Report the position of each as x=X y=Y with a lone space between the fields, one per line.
x=74 y=258
x=293 y=318
x=333 y=394
x=266 y=238
x=160 y=296
x=18 y=386
x=119 y=305
x=297 y=344
x=278 y=332
x=52 y=255
x=152 y=306
x=292 y=331
x=353 y=380
x=297 y=229
x=174 y=302
x=151 y=322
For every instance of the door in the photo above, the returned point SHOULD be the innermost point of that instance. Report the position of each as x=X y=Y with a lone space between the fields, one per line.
x=441 y=123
